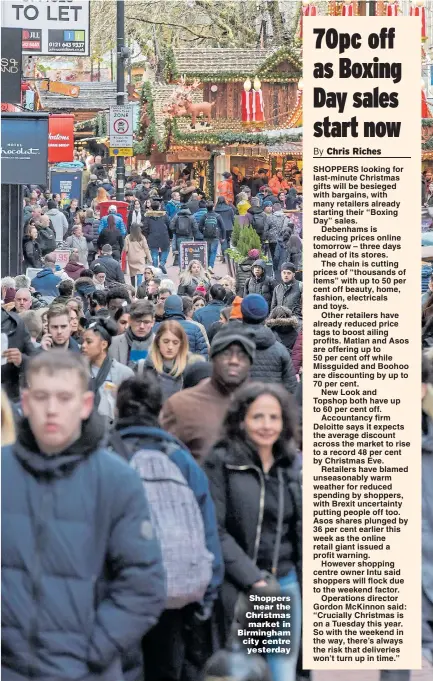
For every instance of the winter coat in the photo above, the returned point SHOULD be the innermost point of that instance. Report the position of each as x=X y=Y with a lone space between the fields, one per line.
x=240 y=490
x=288 y=295
x=196 y=340
x=276 y=185
x=198 y=216
x=91 y=232
x=137 y=437
x=257 y=183
x=243 y=273
x=80 y=244
x=297 y=353
x=285 y=330
x=18 y=337
x=225 y=189
x=46 y=240
x=172 y=207
x=112 y=237
x=137 y=254
x=156 y=229
x=293 y=200
x=272 y=363
x=184 y=216
x=165 y=192
x=264 y=285
x=294 y=251
x=78 y=547
x=189 y=289
x=107 y=398
x=227 y=214
x=119 y=348
x=170 y=385
x=31 y=252
x=103 y=223
x=135 y=217
x=193 y=205
x=46 y=282
x=276 y=223
x=243 y=207
x=221 y=232
x=112 y=268
x=59 y=222
x=209 y=314
x=70 y=216
x=91 y=192
x=255 y=217
x=74 y=269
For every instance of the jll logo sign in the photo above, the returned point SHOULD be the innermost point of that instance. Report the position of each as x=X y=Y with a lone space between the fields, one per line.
x=61 y=138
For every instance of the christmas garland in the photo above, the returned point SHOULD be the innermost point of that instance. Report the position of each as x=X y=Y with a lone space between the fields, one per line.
x=89 y=123
x=170 y=69
x=266 y=71
x=427 y=122
x=101 y=128
x=227 y=138
x=146 y=136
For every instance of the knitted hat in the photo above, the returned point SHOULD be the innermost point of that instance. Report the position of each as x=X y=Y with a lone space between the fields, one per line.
x=288 y=266
x=236 y=308
x=267 y=203
x=231 y=334
x=194 y=373
x=254 y=253
x=99 y=269
x=9 y=295
x=254 y=308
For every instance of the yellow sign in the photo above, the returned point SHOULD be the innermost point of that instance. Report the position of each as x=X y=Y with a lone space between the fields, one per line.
x=121 y=151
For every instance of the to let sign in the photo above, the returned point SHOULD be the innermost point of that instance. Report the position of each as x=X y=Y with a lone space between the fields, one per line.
x=50 y=27
x=121 y=126
x=11 y=65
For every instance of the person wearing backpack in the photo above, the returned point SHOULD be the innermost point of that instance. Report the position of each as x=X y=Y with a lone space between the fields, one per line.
x=46 y=235
x=183 y=227
x=257 y=218
x=212 y=227
x=169 y=472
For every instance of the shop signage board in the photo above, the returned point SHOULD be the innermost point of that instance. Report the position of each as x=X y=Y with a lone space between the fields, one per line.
x=11 y=65
x=24 y=148
x=193 y=250
x=67 y=183
x=62 y=257
x=61 y=138
x=50 y=27
x=120 y=127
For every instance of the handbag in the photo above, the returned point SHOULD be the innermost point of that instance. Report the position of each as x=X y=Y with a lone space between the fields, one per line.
x=272 y=587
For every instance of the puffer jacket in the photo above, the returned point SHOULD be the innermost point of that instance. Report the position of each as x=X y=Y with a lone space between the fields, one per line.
x=297 y=353
x=272 y=363
x=243 y=272
x=288 y=295
x=285 y=329
x=156 y=229
x=31 y=252
x=196 y=340
x=78 y=548
x=91 y=232
x=264 y=285
x=276 y=223
x=209 y=314
x=227 y=214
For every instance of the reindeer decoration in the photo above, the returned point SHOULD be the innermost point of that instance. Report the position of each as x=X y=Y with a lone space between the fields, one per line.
x=181 y=103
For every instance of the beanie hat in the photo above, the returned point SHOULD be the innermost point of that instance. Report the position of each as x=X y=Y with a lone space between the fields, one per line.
x=254 y=308
x=227 y=175
x=236 y=308
x=173 y=305
x=231 y=334
x=99 y=269
x=9 y=295
x=267 y=203
x=254 y=253
x=112 y=209
x=194 y=373
x=288 y=266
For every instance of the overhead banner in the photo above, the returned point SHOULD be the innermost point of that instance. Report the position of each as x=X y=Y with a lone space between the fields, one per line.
x=61 y=138
x=24 y=148
x=11 y=65
x=50 y=27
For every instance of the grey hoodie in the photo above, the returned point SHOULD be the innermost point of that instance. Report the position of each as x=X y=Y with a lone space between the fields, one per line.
x=59 y=222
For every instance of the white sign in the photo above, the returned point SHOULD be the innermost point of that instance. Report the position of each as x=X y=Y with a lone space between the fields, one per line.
x=121 y=126
x=50 y=27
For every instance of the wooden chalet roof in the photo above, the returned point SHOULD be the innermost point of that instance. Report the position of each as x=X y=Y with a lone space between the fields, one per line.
x=92 y=97
x=212 y=61
x=161 y=96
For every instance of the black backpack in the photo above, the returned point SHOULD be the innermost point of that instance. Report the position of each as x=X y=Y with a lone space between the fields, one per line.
x=210 y=227
x=259 y=222
x=183 y=227
x=46 y=240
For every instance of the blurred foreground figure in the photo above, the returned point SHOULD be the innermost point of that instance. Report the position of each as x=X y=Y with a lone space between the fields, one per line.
x=82 y=576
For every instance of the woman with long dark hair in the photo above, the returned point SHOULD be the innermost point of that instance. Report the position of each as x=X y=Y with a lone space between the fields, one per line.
x=111 y=235
x=31 y=248
x=254 y=480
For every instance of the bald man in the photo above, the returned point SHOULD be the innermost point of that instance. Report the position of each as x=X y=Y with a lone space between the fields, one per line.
x=23 y=300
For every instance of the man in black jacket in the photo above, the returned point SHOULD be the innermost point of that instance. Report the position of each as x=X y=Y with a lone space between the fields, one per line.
x=272 y=363
x=259 y=282
x=112 y=266
x=20 y=347
x=92 y=190
x=288 y=293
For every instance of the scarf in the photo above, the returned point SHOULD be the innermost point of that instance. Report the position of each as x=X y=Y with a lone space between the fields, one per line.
x=138 y=347
x=98 y=381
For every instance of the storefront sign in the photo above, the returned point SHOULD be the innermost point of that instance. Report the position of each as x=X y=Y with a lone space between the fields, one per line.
x=61 y=138
x=67 y=183
x=50 y=27
x=62 y=257
x=24 y=148
x=11 y=65
x=188 y=156
x=193 y=250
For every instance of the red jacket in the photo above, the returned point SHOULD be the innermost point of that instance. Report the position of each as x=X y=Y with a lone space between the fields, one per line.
x=297 y=353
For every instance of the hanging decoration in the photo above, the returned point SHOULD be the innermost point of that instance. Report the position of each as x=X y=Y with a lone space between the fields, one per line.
x=309 y=9
x=392 y=8
x=417 y=9
x=347 y=9
x=181 y=104
x=253 y=108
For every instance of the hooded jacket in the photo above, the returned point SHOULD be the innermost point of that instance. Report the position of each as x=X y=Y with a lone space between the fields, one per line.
x=103 y=223
x=184 y=215
x=112 y=268
x=18 y=337
x=74 y=269
x=31 y=252
x=239 y=487
x=227 y=214
x=156 y=229
x=209 y=314
x=174 y=310
x=255 y=216
x=172 y=207
x=59 y=222
x=288 y=295
x=78 y=547
x=276 y=223
x=46 y=282
x=286 y=330
x=264 y=285
x=272 y=363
